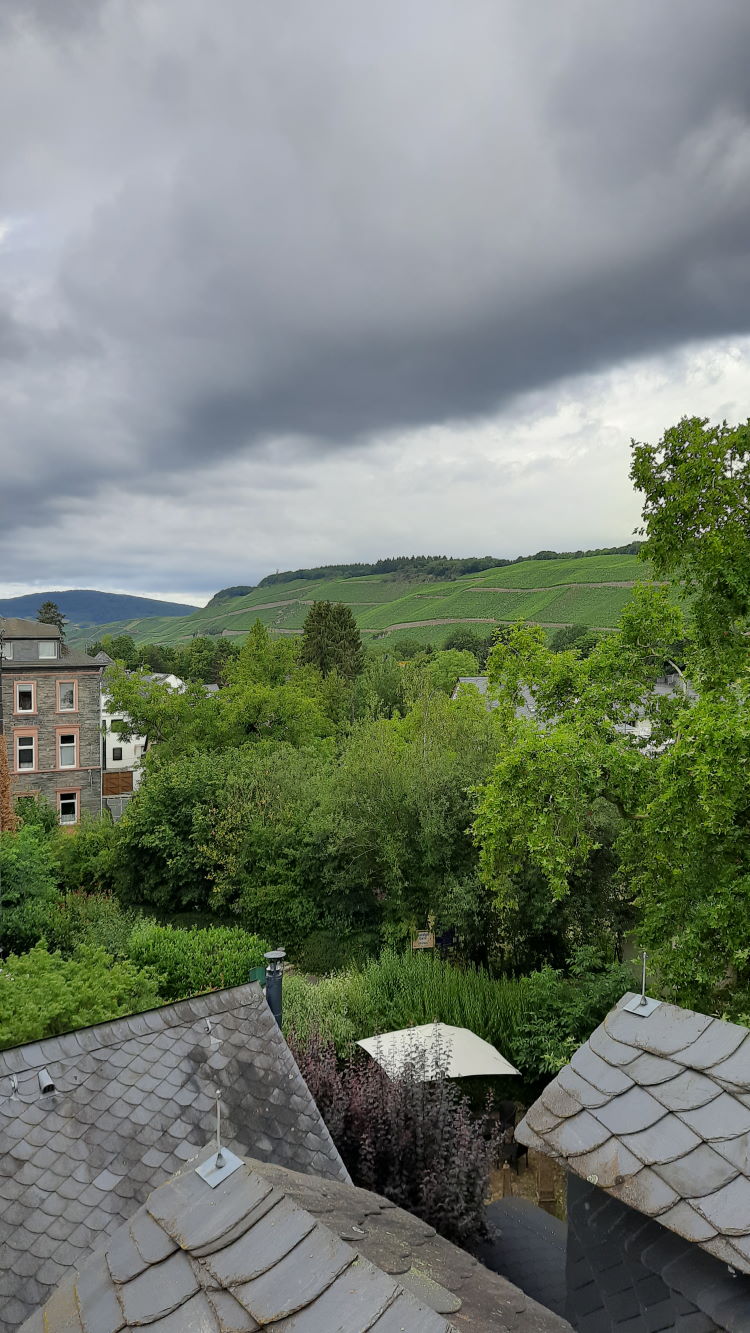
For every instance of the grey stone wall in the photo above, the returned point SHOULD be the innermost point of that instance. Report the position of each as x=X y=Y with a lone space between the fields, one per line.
x=627 y=1274
x=49 y=779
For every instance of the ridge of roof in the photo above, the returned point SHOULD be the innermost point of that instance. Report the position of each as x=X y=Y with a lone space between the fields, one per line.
x=69 y=1045
x=134 y=1099
x=269 y=1246
x=655 y=1110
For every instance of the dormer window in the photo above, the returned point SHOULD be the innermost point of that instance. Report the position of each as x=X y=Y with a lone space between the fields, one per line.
x=6 y=651
x=47 y=648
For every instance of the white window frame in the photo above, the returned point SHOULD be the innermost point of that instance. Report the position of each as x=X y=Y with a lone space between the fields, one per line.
x=75 y=797
x=25 y=685
x=6 y=651
x=74 y=738
x=48 y=643
x=62 y=684
x=25 y=740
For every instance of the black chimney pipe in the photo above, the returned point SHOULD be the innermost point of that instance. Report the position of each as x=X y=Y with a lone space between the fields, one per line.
x=274 y=973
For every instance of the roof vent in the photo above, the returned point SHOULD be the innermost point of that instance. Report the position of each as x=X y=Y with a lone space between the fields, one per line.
x=46 y=1081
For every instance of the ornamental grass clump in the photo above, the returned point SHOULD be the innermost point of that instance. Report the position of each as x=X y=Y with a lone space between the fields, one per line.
x=412 y=1140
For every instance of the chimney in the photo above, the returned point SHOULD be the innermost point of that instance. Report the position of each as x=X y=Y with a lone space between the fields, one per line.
x=274 y=973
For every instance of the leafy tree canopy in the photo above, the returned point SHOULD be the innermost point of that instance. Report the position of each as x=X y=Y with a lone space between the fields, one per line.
x=49 y=613
x=331 y=640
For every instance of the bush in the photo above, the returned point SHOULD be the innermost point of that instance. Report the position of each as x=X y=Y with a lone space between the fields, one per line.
x=66 y=921
x=191 y=961
x=560 y=1012
x=87 y=859
x=325 y=951
x=399 y=990
x=416 y=1142
x=27 y=866
x=43 y=994
x=536 y=1021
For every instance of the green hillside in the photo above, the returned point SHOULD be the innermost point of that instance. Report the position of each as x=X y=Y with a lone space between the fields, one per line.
x=589 y=590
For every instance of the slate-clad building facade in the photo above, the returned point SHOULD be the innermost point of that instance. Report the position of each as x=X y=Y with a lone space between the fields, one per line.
x=50 y=717
x=652 y=1120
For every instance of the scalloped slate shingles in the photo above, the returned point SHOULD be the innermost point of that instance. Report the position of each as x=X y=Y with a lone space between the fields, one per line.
x=134 y=1100
x=656 y=1111
x=275 y=1248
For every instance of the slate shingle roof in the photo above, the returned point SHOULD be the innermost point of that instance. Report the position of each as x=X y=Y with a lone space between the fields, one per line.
x=656 y=1111
x=528 y=1247
x=134 y=1100
x=274 y=1248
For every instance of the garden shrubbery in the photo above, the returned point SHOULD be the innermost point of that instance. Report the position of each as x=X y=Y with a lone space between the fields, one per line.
x=416 y=1142
x=536 y=1021
x=190 y=961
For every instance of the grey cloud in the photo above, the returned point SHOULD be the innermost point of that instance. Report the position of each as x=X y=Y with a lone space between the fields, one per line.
x=329 y=222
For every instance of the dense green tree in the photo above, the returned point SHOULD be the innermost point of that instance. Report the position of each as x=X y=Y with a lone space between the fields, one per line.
x=440 y=672
x=42 y=994
x=49 y=613
x=406 y=648
x=401 y=807
x=578 y=637
x=331 y=640
x=696 y=484
x=156 y=657
x=120 y=647
x=27 y=866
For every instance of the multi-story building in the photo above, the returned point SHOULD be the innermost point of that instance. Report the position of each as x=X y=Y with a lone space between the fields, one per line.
x=50 y=719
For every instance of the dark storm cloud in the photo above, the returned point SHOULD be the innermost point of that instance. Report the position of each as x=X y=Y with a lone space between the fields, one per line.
x=329 y=221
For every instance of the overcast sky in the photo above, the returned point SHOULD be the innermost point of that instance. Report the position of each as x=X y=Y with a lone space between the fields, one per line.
x=285 y=283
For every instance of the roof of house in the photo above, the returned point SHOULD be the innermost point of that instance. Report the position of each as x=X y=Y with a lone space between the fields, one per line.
x=655 y=1110
x=269 y=1247
x=13 y=628
x=528 y=1247
x=134 y=1099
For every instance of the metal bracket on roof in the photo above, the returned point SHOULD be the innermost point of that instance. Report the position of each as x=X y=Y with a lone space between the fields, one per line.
x=225 y=1163
x=641 y=1005
x=213 y=1174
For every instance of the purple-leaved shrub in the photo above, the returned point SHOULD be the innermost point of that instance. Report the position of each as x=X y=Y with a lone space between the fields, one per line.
x=414 y=1141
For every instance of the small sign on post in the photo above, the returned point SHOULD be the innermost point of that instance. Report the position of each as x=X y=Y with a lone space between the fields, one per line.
x=425 y=940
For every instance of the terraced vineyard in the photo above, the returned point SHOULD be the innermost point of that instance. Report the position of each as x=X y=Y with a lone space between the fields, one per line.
x=591 y=590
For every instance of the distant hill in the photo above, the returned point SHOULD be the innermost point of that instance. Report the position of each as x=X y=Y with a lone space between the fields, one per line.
x=588 y=590
x=423 y=566
x=85 y=606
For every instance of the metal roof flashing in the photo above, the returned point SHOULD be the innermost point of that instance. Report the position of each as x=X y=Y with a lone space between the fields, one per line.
x=641 y=1005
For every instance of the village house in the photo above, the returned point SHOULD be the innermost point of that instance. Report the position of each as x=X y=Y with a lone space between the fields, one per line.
x=49 y=718
x=651 y=1120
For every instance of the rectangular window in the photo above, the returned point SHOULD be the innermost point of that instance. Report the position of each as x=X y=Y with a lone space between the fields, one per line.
x=68 y=801
x=47 y=648
x=67 y=746
x=116 y=752
x=25 y=697
x=6 y=651
x=67 y=701
x=25 y=753
x=118 y=725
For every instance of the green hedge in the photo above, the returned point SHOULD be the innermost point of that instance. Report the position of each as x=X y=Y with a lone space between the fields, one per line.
x=191 y=961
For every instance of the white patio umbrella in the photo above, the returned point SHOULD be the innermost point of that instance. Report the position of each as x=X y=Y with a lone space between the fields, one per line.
x=437 y=1048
